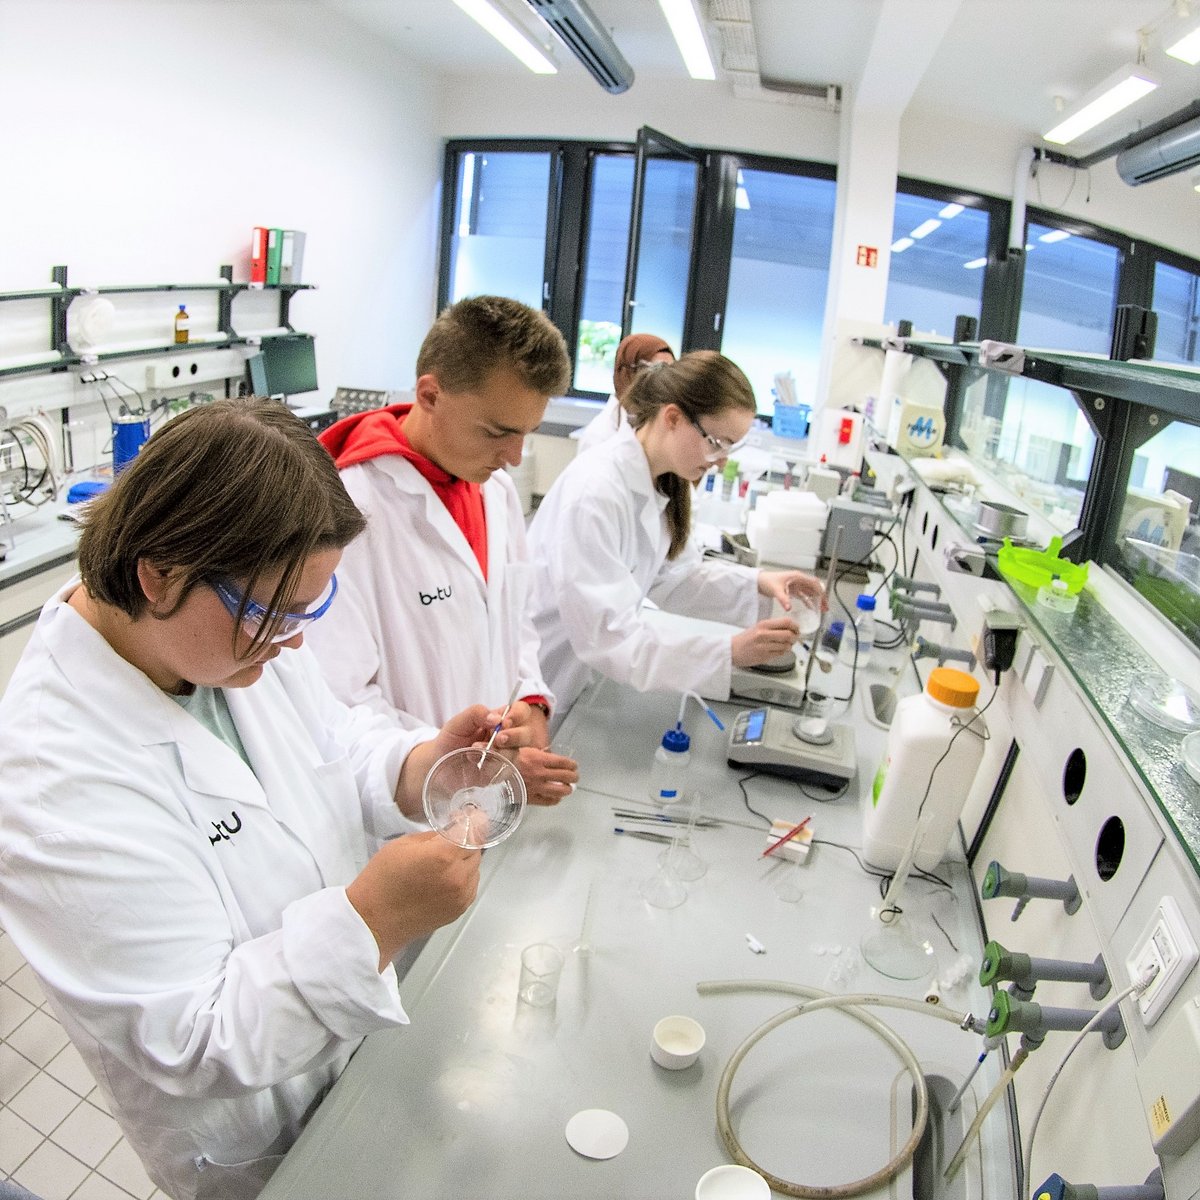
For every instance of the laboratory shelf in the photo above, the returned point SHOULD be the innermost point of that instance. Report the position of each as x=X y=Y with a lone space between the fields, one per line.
x=1172 y=388
x=127 y=289
x=43 y=293
x=211 y=285
x=61 y=357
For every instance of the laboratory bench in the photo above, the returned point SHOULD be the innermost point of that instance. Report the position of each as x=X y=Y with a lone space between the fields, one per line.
x=472 y=1099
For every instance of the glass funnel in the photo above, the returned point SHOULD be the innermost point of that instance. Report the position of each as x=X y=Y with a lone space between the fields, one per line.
x=474 y=798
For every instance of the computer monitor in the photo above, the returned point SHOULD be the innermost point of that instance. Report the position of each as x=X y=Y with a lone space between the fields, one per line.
x=286 y=366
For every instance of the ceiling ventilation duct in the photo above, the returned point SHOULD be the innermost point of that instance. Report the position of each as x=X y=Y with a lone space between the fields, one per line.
x=588 y=40
x=1166 y=154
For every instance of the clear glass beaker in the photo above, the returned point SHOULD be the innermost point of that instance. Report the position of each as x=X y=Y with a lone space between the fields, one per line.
x=812 y=725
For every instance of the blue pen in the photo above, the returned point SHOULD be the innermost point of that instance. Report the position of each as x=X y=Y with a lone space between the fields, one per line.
x=511 y=701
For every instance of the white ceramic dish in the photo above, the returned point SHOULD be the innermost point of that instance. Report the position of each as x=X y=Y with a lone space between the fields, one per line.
x=677 y=1042
x=731 y=1182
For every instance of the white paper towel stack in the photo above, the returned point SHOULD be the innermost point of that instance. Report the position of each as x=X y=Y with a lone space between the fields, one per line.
x=785 y=528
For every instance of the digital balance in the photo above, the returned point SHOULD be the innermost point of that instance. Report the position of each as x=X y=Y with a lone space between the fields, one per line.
x=786 y=687
x=782 y=743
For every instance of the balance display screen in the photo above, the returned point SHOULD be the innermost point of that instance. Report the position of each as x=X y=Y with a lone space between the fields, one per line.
x=755 y=723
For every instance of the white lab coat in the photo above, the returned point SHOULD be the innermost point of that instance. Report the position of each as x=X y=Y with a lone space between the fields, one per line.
x=599 y=543
x=188 y=916
x=415 y=632
x=602 y=426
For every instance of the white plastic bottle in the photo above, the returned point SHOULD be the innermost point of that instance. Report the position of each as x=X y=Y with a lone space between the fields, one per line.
x=668 y=772
x=861 y=633
x=920 y=733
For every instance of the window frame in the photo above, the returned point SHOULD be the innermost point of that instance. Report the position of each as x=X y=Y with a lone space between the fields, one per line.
x=569 y=201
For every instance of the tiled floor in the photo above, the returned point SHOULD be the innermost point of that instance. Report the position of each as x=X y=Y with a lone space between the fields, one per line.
x=56 y=1137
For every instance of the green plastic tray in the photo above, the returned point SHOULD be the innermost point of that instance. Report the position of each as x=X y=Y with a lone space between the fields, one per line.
x=1037 y=568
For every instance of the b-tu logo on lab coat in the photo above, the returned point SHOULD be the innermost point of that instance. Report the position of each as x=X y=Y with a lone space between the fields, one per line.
x=225 y=831
x=441 y=594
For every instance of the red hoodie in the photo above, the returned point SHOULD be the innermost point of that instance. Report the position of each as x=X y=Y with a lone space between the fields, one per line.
x=363 y=436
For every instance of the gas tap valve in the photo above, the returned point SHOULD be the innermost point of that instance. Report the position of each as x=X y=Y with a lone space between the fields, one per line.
x=1025 y=972
x=1034 y=1021
x=902 y=583
x=923 y=648
x=1057 y=1188
x=999 y=882
x=909 y=608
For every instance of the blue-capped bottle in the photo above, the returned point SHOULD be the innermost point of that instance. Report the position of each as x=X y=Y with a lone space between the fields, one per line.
x=668 y=772
x=859 y=639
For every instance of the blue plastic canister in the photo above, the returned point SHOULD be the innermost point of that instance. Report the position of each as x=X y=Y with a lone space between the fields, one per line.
x=129 y=434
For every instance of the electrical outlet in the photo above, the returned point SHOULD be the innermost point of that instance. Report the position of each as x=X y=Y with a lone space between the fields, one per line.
x=181 y=371
x=1166 y=943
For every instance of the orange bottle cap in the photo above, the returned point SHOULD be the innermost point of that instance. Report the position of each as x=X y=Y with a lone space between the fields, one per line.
x=956 y=688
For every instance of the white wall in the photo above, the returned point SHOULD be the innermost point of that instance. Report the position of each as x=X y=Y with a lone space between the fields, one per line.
x=143 y=140
x=935 y=147
x=703 y=114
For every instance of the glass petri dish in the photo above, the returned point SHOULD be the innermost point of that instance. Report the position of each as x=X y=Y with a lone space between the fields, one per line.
x=474 y=798
x=1191 y=755
x=1167 y=703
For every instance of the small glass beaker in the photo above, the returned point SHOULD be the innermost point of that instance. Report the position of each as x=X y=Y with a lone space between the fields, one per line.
x=812 y=725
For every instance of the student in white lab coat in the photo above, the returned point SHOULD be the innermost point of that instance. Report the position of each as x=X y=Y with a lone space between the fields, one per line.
x=435 y=607
x=192 y=828
x=635 y=352
x=614 y=530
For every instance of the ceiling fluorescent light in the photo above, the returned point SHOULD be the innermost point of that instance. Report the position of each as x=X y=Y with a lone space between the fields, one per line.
x=1117 y=92
x=508 y=35
x=925 y=228
x=975 y=264
x=951 y=210
x=901 y=244
x=1184 y=41
x=1055 y=235
x=689 y=37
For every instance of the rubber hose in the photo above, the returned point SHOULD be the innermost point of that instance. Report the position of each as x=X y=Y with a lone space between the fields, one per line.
x=817 y=999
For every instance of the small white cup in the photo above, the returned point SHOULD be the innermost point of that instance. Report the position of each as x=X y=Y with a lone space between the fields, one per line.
x=677 y=1042
x=732 y=1182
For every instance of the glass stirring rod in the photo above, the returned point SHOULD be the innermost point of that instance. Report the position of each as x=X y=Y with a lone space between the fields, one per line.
x=511 y=701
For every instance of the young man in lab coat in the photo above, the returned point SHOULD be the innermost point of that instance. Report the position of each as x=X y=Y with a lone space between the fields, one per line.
x=435 y=600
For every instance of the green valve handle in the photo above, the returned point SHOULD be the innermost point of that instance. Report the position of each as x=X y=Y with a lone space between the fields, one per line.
x=997 y=964
x=998 y=1017
x=999 y=882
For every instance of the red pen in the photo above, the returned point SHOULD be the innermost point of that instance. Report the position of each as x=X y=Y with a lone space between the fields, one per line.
x=787 y=837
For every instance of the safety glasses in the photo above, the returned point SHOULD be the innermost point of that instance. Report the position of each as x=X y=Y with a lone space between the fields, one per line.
x=256 y=616
x=718 y=447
